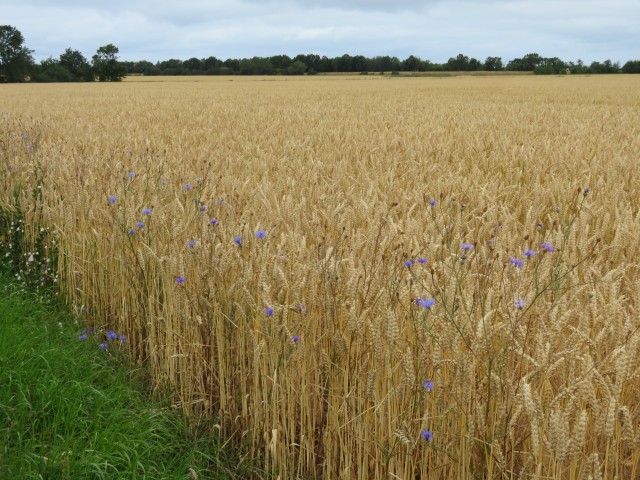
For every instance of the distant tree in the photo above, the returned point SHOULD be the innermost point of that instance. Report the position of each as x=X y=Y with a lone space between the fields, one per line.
x=280 y=63
x=16 y=60
x=493 y=64
x=50 y=70
x=460 y=63
x=632 y=66
x=578 y=67
x=605 y=67
x=528 y=63
x=297 y=68
x=256 y=66
x=411 y=64
x=551 y=66
x=193 y=65
x=77 y=65
x=106 y=65
x=210 y=63
x=145 y=67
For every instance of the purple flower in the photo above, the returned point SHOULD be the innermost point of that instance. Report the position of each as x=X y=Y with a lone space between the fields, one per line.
x=122 y=338
x=238 y=240
x=427 y=385
x=203 y=208
x=213 y=221
x=261 y=234
x=423 y=260
x=408 y=263
x=82 y=337
x=466 y=246
x=180 y=280
x=103 y=346
x=432 y=202
x=519 y=303
x=131 y=175
x=140 y=224
x=426 y=435
x=529 y=253
x=131 y=231
x=111 y=335
x=295 y=339
x=586 y=191
x=147 y=211
x=188 y=186
x=269 y=311
x=112 y=198
x=426 y=303
x=192 y=243
x=517 y=262
x=547 y=247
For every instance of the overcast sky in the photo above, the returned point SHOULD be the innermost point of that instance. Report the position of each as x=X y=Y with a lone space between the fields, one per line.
x=431 y=29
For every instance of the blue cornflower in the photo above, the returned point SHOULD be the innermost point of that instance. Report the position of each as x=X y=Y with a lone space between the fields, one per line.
x=192 y=243
x=427 y=385
x=104 y=346
x=147 y=211
x=426 y=302
x=132 y=231
x=466 y=246
x=188 y=186
x=426 y=435
x=122 y=338
x=517 y=262
x=432 y=202
x=112 y=198
x=261 y=234
x=408 y=263
x=203 y=208
x=295 y=339
x=131 y=174
x=547 y=247
x=423 y=260
x=140 y=224
x=213 y=221
x=269 y=311
x=111 y=335
x=519 y=303
x=238 y=240
x=180 y=280
x=586 y=191
x=529 y=253
x=82 y=337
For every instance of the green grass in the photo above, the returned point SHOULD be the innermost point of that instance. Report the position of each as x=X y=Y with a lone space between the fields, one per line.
x=69 y=410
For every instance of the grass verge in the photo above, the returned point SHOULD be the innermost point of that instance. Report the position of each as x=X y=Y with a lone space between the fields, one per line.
x=70 y=410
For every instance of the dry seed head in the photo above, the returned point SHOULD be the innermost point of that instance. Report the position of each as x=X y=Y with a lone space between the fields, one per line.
x=625 y=420
x=579 y=434
x=610 y=418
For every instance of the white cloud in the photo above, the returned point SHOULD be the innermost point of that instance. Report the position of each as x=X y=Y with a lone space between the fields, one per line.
x=432 y=29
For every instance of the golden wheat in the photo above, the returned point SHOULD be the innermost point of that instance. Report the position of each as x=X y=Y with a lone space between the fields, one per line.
x=314 y=341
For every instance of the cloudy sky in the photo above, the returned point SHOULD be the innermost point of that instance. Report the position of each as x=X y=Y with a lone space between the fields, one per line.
x=431 y=29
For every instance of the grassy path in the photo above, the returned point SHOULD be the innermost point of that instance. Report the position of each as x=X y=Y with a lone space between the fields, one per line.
x=70 y=409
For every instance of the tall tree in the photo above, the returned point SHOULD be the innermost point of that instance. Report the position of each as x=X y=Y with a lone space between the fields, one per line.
x=106 y=65
x=15 y=59
x=77 y=65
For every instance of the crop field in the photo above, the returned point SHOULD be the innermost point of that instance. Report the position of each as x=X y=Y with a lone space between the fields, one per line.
x=359 y=277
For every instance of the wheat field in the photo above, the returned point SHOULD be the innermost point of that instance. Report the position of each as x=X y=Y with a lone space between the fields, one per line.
x=358 y=277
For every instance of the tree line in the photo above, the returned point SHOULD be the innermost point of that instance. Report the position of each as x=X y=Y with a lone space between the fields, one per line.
x=312 y=64
x=17 y=64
